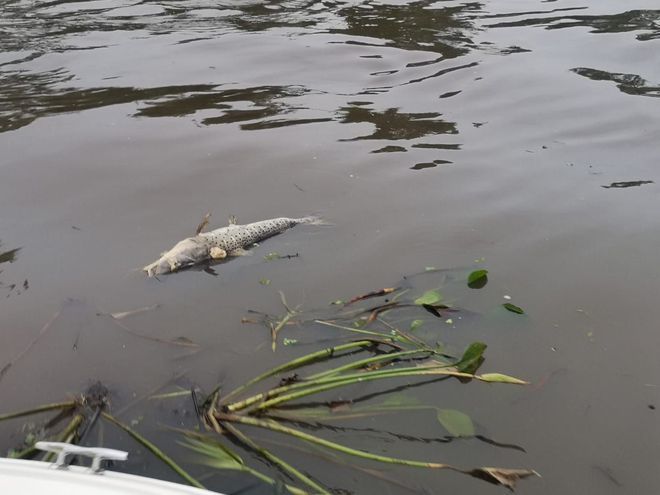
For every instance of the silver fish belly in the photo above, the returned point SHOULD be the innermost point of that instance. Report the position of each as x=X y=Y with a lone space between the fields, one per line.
x=220 y=243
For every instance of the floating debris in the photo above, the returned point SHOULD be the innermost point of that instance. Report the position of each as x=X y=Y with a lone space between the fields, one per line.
x=632 y=183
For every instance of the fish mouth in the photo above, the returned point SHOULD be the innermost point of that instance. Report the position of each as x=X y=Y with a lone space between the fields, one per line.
x=159 y=267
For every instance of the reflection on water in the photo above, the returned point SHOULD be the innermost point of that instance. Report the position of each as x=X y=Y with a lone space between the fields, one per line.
x=265 y=101
x=394 y=125
x=632 y=20
x=412 y=26
x=441 y=32
x=631 y=84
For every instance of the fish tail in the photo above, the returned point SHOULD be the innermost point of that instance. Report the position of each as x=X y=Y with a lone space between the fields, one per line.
x=313 y=220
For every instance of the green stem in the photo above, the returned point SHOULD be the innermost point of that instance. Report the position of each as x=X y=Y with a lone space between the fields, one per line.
x=40 y=409
x=67 y=435
x=358 y=330
x=364 y=362
x=272 y=482
x=274 y=459
x=301 y=361
x=336 y=382
x=154 y=450
x=313 y=385
x=275 y=330
x=275 y=426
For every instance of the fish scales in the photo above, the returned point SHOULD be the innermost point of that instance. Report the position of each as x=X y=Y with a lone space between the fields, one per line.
x=236 y=237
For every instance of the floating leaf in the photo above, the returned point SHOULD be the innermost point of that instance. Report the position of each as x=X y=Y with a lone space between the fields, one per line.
x=456 y=422
x=477 y=279
x=415 y=324
x=500 y=378
x=9 y=256
x=432 y=309
x=504 y=477
x=264 y=281
x=429 y=298
x=514 y=309
x=472 y=358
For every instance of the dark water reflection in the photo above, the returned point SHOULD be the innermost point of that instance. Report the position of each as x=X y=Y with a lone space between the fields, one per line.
x=428 y=133
x=631 y=84
x=632 y=20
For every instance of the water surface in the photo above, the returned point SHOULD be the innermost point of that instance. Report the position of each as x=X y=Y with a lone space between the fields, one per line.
x=428 y=134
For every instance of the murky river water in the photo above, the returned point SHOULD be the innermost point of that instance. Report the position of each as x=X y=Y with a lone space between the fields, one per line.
x=427 y=133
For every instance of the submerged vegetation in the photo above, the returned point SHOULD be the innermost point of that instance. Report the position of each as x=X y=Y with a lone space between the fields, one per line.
x=385 y=336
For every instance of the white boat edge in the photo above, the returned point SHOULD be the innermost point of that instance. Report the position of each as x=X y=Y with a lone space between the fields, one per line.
x=18 y=476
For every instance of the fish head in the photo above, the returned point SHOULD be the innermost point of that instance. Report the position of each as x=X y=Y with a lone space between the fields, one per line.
x=185 y=253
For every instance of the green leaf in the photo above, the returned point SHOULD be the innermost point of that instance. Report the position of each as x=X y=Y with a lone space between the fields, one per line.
x=477 y=279
x=500 y=378
x=415 y=324
x=429 y=298
x=472 y=358
x=264 y=281
x=215 y=454
x=514 y=309
x=456 y=422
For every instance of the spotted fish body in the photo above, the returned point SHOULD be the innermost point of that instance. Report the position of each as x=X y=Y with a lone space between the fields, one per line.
x=234 y=237
x=219 y=243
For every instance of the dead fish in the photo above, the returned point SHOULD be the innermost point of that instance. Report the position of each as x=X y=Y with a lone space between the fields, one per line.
x=232 y=240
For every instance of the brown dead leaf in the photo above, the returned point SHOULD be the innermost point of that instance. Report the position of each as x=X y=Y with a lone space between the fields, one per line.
x=503 y=477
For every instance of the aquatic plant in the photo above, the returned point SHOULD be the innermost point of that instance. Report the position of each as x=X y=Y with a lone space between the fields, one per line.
x=292 y=398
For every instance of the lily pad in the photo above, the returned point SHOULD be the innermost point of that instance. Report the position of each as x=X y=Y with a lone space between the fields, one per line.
x=478 y=279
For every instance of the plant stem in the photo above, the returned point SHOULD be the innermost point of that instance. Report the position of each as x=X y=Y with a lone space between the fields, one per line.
x=274 y=459
x=341 y=381
x=275 y=426
x=67 y=435
x=336 y=381
x=358 y=330
x=299 y=362
x=154 y=450
x=363 y=362
x=40 y=409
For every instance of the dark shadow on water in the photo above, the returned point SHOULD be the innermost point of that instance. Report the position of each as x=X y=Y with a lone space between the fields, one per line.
x=631 y=84
x=394 y=125
x=632 y=20
x=27 y=97
x=434 y=163
x=413 y=26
